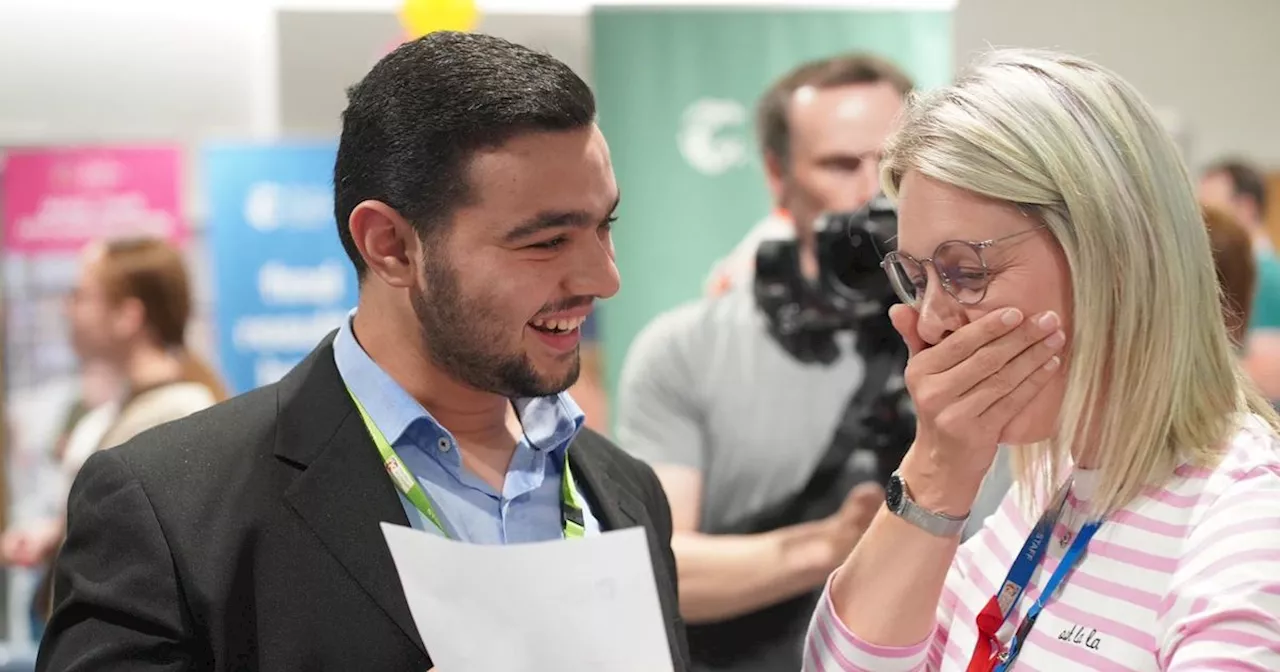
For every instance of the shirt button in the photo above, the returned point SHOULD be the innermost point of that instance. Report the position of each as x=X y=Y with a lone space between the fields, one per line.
x=444 y=444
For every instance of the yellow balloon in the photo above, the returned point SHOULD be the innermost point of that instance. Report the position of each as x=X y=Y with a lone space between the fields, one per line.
x=420 y=17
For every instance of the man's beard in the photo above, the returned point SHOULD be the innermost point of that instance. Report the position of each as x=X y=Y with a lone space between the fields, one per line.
x=464 y=339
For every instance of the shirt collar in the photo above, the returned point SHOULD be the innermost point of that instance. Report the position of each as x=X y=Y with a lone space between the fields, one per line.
x=550 y=423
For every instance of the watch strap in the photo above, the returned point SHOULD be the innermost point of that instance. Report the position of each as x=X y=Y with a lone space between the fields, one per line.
x=937 y=524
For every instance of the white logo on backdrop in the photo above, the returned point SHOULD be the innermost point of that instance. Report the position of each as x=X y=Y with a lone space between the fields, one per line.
x=711 y=136
x=98 y=174
x=320 y=285
x=270 y=206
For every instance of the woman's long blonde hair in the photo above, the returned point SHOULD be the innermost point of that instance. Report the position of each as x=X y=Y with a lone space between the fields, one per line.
x=1152 y=378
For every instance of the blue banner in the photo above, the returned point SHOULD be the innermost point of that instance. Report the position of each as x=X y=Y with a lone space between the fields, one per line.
x=281 y=278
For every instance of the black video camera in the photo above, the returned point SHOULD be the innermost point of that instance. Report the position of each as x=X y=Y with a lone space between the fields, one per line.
x=850 y=290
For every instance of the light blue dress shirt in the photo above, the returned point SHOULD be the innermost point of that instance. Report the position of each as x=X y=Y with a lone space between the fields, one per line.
x=528 y=507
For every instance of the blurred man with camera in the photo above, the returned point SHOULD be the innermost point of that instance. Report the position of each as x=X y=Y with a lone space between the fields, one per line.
x=771 y=409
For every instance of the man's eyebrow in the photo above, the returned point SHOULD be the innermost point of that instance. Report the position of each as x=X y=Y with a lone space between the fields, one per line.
x=553 y=220
x=840 y=156
x=546 y=220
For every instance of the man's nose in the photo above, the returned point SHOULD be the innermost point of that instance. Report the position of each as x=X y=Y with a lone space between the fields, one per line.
x=940 y=313
x=596 y=273
x=867 y=182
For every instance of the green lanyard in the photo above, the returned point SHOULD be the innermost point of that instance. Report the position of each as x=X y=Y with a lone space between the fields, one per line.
x=570 y=510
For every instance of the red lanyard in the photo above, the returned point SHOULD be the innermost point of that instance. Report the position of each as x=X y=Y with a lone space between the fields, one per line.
x=987 y=653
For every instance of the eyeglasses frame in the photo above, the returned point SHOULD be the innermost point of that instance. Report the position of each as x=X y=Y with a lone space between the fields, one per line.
x=978 y=246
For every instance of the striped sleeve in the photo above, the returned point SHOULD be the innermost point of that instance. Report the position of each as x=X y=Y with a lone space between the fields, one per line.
x=831 y=647
x=1223 y=608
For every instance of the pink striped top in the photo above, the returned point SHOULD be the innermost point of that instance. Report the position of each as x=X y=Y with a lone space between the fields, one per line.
x=1184 y=578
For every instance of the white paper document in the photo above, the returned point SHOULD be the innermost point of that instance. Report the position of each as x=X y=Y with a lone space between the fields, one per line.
x=577 y=605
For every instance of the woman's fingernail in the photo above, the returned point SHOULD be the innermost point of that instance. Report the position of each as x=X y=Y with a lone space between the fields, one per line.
x=1052 y=364
x=1048 y=321
x=1011 y=316
x=1056 y=340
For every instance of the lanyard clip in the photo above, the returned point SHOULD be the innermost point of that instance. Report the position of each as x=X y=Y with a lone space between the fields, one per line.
x=572 y=514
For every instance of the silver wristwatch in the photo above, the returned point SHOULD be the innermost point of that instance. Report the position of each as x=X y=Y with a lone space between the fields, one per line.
x=898 y=498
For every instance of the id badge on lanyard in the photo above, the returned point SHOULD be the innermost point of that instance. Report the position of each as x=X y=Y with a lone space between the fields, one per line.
x=988 y=654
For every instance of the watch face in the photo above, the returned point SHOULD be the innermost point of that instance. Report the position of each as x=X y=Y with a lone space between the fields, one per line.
x=893 y=493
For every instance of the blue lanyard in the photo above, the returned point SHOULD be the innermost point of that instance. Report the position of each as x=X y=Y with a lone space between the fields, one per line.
x=1024 y=566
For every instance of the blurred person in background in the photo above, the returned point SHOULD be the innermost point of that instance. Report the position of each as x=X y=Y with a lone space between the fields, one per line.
x=738 y=267
x=128 y=316
x=475 y=197
x=734 y=423
x=1240 y=188
x=33 y=544
x=130 y=310
x=820 y=128
x=1237 y=268
x=1059 y=297
x=82 y=429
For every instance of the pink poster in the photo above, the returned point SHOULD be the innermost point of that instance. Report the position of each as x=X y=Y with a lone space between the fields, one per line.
x=56 y=200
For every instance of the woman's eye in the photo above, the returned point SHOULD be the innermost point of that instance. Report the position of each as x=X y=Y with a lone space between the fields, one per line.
x=967 y=277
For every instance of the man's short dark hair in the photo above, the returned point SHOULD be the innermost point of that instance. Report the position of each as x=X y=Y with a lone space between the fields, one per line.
x=826 y=73
x=1246 y=181
x=413 y=123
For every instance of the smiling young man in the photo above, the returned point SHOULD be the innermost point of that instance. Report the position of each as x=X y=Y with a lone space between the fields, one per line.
x=474 y=194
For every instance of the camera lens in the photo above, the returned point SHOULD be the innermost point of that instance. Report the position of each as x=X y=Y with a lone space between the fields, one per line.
x=856 y=264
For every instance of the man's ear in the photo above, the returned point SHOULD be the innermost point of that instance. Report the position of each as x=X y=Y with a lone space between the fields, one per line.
x=386 y=241
x=775 y=171
x=130 y=317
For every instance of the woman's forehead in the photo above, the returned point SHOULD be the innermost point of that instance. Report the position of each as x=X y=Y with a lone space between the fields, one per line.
x=931 y=213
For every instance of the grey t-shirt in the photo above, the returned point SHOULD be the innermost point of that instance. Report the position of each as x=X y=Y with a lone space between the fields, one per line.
x=706 y=386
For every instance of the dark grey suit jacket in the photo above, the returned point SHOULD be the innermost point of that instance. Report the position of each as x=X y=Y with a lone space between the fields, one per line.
x=247 y=537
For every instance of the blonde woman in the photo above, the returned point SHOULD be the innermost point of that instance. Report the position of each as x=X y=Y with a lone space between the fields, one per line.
x=1059 y=297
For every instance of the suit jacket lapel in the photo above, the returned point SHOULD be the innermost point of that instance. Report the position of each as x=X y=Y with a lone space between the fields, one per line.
x=343 y=493
x=614 y=507
x=618 y=507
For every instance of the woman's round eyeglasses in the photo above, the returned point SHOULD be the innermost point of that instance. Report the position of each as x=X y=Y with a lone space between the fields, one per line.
x=958 y=263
